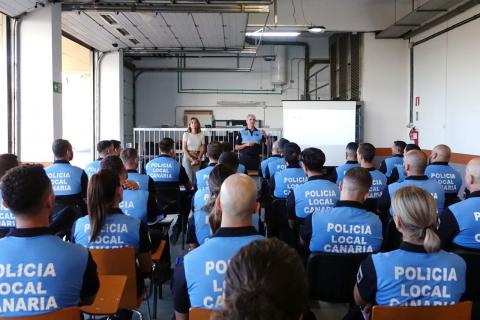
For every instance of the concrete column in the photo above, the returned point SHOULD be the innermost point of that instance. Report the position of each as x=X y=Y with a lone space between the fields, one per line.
x=40 y=82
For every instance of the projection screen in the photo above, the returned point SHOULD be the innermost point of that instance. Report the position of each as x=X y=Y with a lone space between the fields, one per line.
x=328 y=125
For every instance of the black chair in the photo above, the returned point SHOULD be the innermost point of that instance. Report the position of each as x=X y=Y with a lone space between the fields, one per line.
x=392 y=239
x=472 y=259
x=332 y=277
x=277 y=222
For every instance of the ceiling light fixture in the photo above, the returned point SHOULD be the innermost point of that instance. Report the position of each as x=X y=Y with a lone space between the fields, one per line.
x=272 y=34
x=316 y=29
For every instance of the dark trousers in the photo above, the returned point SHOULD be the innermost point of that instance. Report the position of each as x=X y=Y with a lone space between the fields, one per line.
x=251 y=163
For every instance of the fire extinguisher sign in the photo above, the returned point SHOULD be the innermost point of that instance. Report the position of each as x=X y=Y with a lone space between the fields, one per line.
x=417 y=101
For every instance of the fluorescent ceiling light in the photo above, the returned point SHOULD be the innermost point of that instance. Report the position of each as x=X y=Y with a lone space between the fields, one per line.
x=272 y=34
x=316 y=29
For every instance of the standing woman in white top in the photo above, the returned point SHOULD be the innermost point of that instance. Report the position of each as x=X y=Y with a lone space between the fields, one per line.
x=193 y=148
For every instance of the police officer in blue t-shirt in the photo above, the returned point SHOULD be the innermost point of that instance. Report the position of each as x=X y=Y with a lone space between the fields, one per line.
x=398 y=172
x=419 y=273
x=214 y=150
x=69 y=182
x=395 y=161
x=278 y=161
x=292 y=176
x=351 y=157
x=414 y=164
x=276 y=154
x=198 y=281
x=130 y=160
x=36 y=265
x=7 y=219
x=249 y=143
x=104 y=148
x=365 y=155
x=460 y=222
x=315 y=195
x=348 y=228
x=440 y=171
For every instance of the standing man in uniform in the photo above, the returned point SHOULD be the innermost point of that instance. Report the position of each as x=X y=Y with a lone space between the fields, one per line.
x=63 y=274
x=104 y=148
x=460 y=222
x=249 y=143
x=440 y=171
x=199 y=279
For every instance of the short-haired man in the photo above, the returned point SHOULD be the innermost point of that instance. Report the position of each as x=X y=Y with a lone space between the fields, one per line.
x=398 y=173
x=277 y=147
x=351 y=157
x=327 y=231
x=460 y=222
x=214 y=150
x=104 y=148
x=395 y=161
x=199 y=279
x=130 y=160
x=69 y=182
x=440 y=171
x=277 y=164
x=40 y=263
x=414 y=164
x=317 y=194
x=7 y=219
x=249 y=144
x=293 y=175
x=365 y=155
x=117 y=147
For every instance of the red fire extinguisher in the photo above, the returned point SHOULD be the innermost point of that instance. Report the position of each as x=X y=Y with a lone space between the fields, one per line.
x=414 y=135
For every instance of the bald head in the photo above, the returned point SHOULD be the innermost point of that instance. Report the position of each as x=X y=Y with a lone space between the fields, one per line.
x=441 y=153
x=238 y=197
x=415 y=162
x=472 y=175
x=276 y=148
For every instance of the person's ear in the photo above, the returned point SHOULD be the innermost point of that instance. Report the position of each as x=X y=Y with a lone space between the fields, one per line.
x=218 y=204
x=4 y=203
x=256 y=208
x=365 y=196
x=341 y=186
x=398 y=223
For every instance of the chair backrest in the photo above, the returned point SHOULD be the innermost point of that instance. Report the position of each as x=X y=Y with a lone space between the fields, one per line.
x=277 y=218
x=472 y=259
x=459 y=311
x=109 y=295
x=120 y=261
x=72 y=313
x=331 y=276
x=202 y=314
x=393 y=238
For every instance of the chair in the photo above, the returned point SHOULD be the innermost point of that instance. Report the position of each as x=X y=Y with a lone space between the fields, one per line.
x=458 y=311
x=120 y=261
x=201 y=314
x=67 y=313
x=472 y=279
x=277 y=219
x=108 y=297
x=392 y=238
x=158 y=278
x=332 y=276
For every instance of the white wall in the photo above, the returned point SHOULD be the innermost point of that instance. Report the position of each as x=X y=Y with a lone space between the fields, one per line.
x=157 y=97
x=3 y=90
x=447 y=80
x=40 y=66
x=384 y=89
x=111 y=97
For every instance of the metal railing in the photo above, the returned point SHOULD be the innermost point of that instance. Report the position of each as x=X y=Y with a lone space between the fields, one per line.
x=147 y=140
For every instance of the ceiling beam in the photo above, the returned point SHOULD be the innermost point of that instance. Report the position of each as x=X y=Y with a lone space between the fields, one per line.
x=234 y=7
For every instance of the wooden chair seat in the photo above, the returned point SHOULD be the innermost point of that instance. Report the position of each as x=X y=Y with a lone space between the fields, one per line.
x=108 y=297
x=202 y=314
x=459 y=311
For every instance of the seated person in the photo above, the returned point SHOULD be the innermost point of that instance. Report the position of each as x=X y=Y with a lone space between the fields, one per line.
x=365 y=155
x=398 y=173
x=250 y=278
x=351 y=156
x=214 y=150
x=414 y=164
x=168 y=175
x=140 y=204
x=276 y=154
x=419 y=273
x=440 y=171
x=117 y=148
x=207 y=264
x=7 y=219
x=459 y=225
x=293 y=175
x=130 y=160
x=395 y=161
x=199 y=231
x=329 y=231
x=107 y=227
x=229 y=159
x=317 y=194
x=104 y=148
x=279 y=163
x=69 y=182
x=46 y=273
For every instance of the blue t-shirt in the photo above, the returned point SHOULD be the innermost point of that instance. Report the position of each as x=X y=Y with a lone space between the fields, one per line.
x=92 y=168
x=7 y=219
x=449 y=178
x=286 y=180
x=467 y=215
x=315 y=195
x=163 y=169
x=342 y=169
x=66 y=179
x=140 y=179
x=201 y=176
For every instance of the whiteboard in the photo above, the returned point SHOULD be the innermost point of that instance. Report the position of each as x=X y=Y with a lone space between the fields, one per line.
x=327 y=125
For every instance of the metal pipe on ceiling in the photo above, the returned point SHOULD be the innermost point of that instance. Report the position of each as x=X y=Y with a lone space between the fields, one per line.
x=163 y=7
